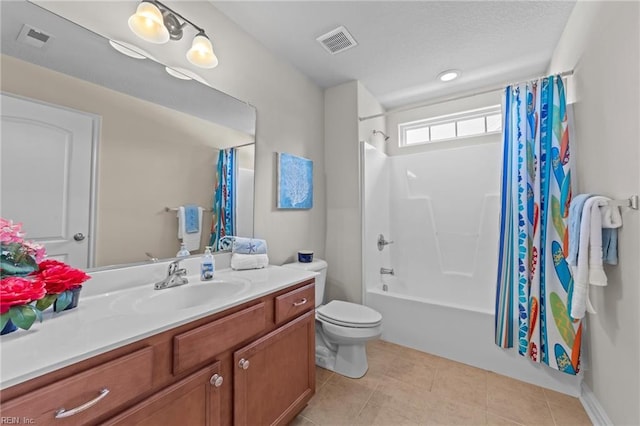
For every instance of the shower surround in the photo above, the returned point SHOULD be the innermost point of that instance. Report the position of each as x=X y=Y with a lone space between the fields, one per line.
x=441 y=209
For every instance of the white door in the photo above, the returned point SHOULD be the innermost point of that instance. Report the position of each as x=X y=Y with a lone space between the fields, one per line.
x=46 y=160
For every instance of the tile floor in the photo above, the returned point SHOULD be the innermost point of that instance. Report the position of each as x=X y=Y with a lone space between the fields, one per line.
x=407 y=387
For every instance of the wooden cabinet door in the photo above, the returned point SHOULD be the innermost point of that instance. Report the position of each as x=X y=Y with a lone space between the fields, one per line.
x=274 y=377
x=193 y=401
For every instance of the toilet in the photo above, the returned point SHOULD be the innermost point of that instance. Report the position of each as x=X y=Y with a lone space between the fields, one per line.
x=342 y=328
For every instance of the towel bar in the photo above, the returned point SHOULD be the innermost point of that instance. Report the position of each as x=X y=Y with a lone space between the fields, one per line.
x=629 y=202
x=175 y=209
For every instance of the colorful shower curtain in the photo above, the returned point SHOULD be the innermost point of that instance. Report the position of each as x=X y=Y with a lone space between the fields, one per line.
x=223 y=223
x=534 y=280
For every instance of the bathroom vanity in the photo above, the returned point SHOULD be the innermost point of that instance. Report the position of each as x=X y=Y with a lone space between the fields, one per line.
x=245 y=358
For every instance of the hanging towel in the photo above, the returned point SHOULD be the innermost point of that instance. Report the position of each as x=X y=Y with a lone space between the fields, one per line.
x=191 y=240
x=575 y=215
x=611 y=220
x=241 y=261
x=244 y=245
x=589 y=264
x=191 y=218
x=610 y=246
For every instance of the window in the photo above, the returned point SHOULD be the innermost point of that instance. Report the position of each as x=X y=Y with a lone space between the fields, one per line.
x=460 y=125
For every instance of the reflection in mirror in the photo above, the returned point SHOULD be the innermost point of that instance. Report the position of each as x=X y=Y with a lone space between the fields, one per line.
x=97 y=145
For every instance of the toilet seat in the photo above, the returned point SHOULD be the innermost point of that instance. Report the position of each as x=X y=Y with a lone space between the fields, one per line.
x=347 y=314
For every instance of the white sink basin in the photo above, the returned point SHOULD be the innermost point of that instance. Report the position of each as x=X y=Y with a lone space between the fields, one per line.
x=195 y=293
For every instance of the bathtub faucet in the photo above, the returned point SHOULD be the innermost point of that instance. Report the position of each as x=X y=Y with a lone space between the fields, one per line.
x=386 y=271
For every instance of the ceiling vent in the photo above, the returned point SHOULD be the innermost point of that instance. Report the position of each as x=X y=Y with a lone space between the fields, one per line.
x=34 y=37
x=337 y=41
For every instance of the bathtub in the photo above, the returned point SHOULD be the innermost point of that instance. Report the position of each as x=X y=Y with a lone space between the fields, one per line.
x=456 y=332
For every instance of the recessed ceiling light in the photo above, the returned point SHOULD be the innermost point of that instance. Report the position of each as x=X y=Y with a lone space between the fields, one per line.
x=129 y=49
x=448 y=75
x=185 y=74
x=177 y=74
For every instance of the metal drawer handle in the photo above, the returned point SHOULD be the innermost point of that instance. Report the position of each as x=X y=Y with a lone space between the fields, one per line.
x=62 y=413
x=244 y=364
x=300 y=302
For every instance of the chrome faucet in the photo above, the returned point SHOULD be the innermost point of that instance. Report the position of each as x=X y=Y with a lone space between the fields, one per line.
x=382 y=242
x=386 y=271
x=151 y=257
x=175 y=277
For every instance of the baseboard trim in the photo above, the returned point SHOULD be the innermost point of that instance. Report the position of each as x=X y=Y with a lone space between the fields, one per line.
x=592 y=406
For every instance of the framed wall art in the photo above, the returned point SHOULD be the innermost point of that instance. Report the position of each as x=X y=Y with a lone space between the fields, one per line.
x=295 y=182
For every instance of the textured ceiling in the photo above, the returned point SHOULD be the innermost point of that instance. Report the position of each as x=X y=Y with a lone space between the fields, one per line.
x=403 y=46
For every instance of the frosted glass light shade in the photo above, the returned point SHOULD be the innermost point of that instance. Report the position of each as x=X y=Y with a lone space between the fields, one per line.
x=148 y=24
x=201 y=52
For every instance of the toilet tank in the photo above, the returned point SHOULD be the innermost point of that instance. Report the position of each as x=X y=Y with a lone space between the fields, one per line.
x=319 y=266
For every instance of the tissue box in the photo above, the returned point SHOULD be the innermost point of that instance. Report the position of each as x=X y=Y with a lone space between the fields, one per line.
x=305 y=256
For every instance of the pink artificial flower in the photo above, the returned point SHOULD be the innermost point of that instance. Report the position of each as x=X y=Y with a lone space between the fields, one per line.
x=36 y=250
x=10 y=232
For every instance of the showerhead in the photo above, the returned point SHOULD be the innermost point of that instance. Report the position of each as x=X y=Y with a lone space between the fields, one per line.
x=386 y=138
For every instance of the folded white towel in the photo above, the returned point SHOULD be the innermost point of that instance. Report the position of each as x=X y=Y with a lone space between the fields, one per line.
x=249 y=261
x=588 y=269
x=611 y=217
x=191 y=241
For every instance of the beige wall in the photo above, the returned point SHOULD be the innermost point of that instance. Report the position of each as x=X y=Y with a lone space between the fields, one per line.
x=602 y=43
x=289 y=119
x=149 y=157
x=344 y=275
x=343 y=105
x=436 y=110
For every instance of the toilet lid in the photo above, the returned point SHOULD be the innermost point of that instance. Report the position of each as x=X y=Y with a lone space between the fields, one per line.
x=349 y=314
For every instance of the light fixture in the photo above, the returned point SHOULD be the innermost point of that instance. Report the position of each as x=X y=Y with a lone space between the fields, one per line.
x=201 y=52
x=129 y=49
x=148 y=23
x=158 y=23
x=185 y=74
x=177 y=73
x=448 y=75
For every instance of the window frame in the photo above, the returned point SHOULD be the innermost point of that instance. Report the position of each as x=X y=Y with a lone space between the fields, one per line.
x=428 y=123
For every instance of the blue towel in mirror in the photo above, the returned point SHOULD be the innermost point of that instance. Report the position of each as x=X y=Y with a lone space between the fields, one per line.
x=191 y=219
x=244 y=245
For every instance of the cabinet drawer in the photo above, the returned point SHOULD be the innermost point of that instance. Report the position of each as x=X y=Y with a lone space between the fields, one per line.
x=196 y=346
x=192 y=401
x=293 y=303
x=123 y=379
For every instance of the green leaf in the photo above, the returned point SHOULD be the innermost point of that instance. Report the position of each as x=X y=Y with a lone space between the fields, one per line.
x=562 y=320
x=46 y=301
x=38 y=313
x=64 y=300
x=23 y=316
x=4 y=319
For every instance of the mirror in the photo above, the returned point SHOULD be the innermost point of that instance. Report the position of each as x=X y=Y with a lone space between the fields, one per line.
x=154 y=142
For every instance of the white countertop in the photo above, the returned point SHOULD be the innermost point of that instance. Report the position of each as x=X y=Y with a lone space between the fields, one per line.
x=101 y=322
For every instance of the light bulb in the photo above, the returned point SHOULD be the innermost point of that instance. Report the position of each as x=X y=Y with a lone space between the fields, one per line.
x=201 y=52
x=448 y=75
x=148 y=23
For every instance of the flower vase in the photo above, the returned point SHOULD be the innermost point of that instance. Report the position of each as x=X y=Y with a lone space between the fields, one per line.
x=75 y=297
x=9 y=327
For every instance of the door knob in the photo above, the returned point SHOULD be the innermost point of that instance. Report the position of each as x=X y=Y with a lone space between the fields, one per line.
x=244 y=364
x=216 y=380
x=79 y=236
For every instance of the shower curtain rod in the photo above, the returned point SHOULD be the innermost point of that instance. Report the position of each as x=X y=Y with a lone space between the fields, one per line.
x=456 y=98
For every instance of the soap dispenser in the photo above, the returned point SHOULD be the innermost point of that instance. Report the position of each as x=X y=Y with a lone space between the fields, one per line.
x=183 y=252
x=207 y=265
